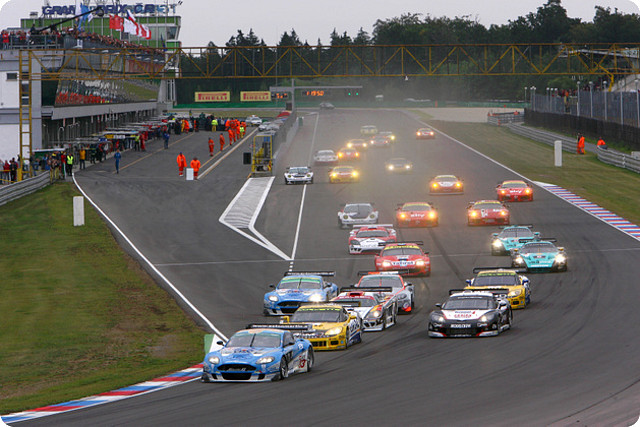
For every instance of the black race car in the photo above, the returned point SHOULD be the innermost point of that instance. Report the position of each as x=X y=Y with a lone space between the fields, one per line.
x=471 y=314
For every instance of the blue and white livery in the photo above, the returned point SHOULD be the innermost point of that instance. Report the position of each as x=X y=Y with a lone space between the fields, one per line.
x=297 y=288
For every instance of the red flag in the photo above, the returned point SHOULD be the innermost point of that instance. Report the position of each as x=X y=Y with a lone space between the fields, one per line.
x=116 y=23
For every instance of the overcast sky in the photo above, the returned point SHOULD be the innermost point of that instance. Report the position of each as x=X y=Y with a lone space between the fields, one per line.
x=217 y=21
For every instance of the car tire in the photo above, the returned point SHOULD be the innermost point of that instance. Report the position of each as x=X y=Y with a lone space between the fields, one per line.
x=283 y=372
x=310 y=359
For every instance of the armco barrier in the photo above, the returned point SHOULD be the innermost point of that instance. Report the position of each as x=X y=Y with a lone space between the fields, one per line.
x=610 y=157
x=621 y=160
x=22 y=188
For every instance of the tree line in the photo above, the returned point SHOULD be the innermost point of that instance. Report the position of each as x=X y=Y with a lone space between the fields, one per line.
x=548 y=24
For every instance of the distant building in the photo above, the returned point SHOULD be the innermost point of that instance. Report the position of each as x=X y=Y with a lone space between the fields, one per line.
x=67 y=111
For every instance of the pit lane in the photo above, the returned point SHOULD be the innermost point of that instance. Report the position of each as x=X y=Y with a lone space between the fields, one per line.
x=572 y=355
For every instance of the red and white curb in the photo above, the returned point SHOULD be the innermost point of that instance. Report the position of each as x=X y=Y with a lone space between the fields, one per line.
x=609 y=217
x=180 y=377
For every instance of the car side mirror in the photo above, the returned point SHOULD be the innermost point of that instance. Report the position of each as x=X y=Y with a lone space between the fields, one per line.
x=220 y=342
x=352 y=316
x=494 y=234
x=285 y=319
x=272 y=286
x=468 y=282
x=525 y=281
x=439 y=305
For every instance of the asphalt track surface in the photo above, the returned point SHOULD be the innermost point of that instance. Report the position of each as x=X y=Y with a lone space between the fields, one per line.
x=572 y=356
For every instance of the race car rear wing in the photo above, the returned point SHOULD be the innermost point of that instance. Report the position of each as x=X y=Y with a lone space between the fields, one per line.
x=493 y=289
x=282 y=326
x=517 y=225
x=380 y=289
x=400 y=205
x=476 y=270
x=538 y=239
x=382 y=273
x=415 y=242
x=310 y=273
x=372 y=225
x=495 y=293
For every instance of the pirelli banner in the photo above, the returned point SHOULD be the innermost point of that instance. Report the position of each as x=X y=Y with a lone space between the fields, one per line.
x=213 y=96
x=253 y=96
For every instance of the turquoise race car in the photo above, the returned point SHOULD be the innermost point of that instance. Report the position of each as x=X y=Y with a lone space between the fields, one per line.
x=539 y=256
x=511 y=237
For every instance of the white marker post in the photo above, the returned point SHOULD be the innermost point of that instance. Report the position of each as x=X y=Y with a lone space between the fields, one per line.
x=189 y=174
x=78 y=211
x=558 y=153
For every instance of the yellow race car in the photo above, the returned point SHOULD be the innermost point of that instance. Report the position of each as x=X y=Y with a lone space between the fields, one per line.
x=331 y=326
x=508 y=282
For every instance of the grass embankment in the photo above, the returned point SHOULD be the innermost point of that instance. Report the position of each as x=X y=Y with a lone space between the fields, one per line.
x=613 y=188
x=79 y=316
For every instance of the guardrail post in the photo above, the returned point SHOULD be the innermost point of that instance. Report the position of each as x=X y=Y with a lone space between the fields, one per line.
x=557 y=145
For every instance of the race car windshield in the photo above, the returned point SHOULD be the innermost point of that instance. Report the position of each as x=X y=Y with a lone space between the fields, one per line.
x=343 y=170
x=469 y=304
x=380 y=281
x=416 y=208
x=521 y=233
x=487 y=206
x=299 y=283
x=401 y=252
x=298 y=170
x=321 y=316
x=373 y=233
x=359 y=209
x=514 y=185
x=446 y=178
x=490 y=280
x=260 y=339
x=325 y=153
x=538 y=248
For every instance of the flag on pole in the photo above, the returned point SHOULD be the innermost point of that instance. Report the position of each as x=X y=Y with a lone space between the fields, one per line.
x=116 y=23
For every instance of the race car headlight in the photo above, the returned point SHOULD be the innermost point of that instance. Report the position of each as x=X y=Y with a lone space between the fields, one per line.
x=354 y=173
x=503 y=191
x=334 y=331
x=527 y=191
x=333 y=175
x=390 y=167
x=273 y=298
x=340 y=155
x=214 y=360
x=458 y=184
x=316 y=298
x=432 y=215
x=561 y=258
x=364 y=144
x=420 y=263
x=374 y=314
x=438 y=318
x=473 y=214
x=386 y=264
x=357 y=154
x=266 y=359
x=434 y=185
x=503 y=213
x=393 y=137
x=407 y=167
x=497 y=243
x=518 y=260
x=308 y=175
x=515 y=293
x=345 y=216
x=350 y=145
x=372 y=216
x=403 y=215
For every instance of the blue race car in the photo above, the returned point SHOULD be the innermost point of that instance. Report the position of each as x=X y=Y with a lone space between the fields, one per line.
x=511 y=237
x=539 y=256
x=297 y=288
x=259 y=353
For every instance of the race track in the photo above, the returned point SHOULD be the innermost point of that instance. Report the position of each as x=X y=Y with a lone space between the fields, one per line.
x=572 y=356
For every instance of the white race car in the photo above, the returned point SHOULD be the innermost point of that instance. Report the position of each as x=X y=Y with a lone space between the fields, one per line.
x=253 y=120
x=377 y=312
x=325 y=157
x=357 y=213
x=296 y=174
x=370 y=238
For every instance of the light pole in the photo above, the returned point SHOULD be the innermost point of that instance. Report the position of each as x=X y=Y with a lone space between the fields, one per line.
x=591 y=98
x=578 y=105
x=532 y=96
x=605 y=83
x=637 y=103
x=525 y=94
x=621 y=108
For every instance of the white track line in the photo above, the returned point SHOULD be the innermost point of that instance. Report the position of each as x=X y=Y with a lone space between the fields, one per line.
x=153 y=267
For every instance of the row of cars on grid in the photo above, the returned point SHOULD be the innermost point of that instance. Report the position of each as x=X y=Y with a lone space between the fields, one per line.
x=316 y=314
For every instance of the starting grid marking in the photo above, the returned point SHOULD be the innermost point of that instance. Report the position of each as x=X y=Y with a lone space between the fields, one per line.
x=160 y=383
x=609 y=217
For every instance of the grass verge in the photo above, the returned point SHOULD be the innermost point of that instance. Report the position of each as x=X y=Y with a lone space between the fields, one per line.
x=79 y=316
x=613 y=188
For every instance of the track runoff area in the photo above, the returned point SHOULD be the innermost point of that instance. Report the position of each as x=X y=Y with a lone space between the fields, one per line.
x=555 y=356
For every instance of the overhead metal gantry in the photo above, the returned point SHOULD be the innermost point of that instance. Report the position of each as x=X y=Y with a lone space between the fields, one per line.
x=310 y=62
